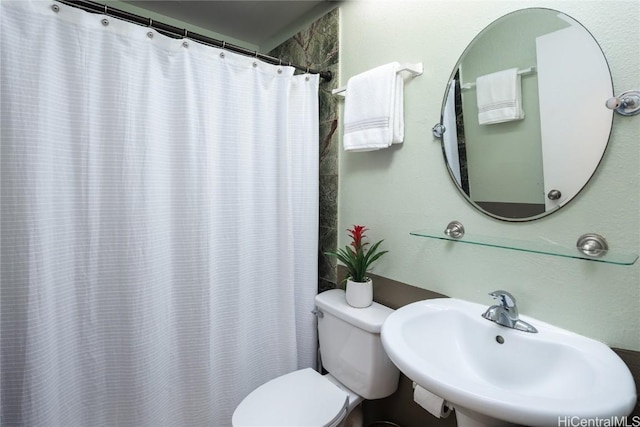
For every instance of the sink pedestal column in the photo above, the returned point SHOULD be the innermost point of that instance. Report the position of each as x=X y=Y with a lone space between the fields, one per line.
x=468 y=418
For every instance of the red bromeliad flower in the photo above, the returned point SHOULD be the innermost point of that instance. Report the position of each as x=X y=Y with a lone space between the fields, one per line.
x=356 y=258
x=357 y=233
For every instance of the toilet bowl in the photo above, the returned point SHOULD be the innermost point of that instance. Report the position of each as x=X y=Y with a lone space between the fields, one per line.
x=358 y=367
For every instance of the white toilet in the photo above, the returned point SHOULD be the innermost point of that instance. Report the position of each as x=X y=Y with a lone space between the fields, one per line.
x=358 y=369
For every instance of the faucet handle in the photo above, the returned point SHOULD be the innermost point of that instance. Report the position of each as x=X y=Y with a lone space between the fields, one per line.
x=506 y=299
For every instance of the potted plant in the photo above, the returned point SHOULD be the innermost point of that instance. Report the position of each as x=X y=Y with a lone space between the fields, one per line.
x=357 y=258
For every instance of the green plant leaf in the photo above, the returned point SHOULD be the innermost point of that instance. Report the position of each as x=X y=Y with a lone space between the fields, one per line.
x=357 y=258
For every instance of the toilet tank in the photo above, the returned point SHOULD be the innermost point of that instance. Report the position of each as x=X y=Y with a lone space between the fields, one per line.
x=351 y=348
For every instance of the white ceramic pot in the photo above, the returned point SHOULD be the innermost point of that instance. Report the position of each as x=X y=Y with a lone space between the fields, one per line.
x=359 y=294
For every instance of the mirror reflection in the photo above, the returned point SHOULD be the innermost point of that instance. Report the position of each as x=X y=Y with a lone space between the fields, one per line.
x=525 y=116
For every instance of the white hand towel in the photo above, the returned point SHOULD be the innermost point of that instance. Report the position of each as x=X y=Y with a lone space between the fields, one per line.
x=373 y=110
x=499 y=97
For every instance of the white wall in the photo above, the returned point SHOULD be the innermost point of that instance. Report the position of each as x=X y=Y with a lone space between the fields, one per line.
x=408 y=188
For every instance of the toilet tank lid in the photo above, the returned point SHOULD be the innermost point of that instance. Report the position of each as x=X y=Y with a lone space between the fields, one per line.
x=369 y=319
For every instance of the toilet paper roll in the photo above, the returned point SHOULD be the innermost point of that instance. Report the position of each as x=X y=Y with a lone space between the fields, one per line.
x=435 y=405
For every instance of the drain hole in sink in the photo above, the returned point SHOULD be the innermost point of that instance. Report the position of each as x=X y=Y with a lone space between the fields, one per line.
x=499 y=339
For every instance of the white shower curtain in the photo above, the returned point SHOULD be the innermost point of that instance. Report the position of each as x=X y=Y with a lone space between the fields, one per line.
x=159 y=223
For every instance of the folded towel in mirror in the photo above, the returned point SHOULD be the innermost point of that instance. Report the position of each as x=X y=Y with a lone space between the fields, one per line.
x=499 y=97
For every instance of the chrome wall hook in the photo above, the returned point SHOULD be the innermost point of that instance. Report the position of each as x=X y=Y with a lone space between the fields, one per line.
x=592 y=245
x=455 y=230
x=626 y=104
x=438 y=130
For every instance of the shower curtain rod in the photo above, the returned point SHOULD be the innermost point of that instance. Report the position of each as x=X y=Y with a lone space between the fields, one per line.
x=176 y=32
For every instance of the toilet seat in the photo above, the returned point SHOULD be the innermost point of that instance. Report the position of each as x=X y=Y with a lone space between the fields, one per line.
x=300 y=398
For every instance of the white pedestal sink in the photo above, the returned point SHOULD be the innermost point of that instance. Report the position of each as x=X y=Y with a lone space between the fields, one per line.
x=493 y=375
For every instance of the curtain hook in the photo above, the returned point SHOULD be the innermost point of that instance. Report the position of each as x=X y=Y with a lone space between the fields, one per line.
x=185 y=33
x=150 y=22
x=224 y=44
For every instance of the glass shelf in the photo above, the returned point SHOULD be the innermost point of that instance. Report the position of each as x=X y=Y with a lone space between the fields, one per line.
x=539 y=247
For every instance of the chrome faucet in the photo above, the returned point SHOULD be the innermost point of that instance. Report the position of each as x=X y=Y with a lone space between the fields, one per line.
x=506 y=312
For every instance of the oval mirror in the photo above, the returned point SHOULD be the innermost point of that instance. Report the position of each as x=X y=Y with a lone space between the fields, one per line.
x=524 y=114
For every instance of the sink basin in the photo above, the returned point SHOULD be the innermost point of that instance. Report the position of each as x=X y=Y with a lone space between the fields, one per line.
x=491 y=372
